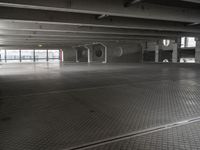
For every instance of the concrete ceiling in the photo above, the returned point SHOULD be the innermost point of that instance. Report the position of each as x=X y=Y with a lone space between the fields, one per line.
x=71 y=22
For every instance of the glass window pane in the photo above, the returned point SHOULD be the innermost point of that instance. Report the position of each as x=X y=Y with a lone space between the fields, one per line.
x=27 y=55
x=40 y=55
x=187 y=42
x=183 y=42
x=53 y=54
x=187 y=60
x=191 y=42
x=12 y=56
x=2 y=55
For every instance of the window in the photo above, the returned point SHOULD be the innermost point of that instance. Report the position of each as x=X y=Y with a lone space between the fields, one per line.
x=53 y=55
x=27 y=55
x=188 y=42
x=41 y=55
x=187 y=60
x=12 y=55
x=191 y=42
x=2 y=55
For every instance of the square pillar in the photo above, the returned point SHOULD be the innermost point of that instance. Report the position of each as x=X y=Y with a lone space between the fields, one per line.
x=197 y=51
x=89 y=55
x=106 y=55
x=89 y=52
x=77 y=56
x=157 y=53
x=175 y=53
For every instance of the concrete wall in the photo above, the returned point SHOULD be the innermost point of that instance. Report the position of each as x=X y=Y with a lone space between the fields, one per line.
x=125 y=52
x=129 y=52
x=187 y=53
x=82 y=54
x=117 y=52
x=165 y=52
x=149 y=56
x=69 y=54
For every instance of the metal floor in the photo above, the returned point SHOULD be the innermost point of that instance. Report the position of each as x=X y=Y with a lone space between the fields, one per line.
x=96 y=107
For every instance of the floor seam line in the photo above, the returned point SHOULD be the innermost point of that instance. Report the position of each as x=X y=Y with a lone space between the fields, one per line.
x=62 y=91
x=134 y=134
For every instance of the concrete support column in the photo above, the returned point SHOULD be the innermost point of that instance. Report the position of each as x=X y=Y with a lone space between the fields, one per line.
x=34 y=55
x=61 y=58
x=47 y=55
x=89 y=53
x=5 y=55
x=197 y=51
x=20 y=55
x=175 y=53
x=77 y=55
x=157 y=53
x=106 y=54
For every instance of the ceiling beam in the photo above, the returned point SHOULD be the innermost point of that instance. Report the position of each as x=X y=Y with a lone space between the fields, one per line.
x=192 y=1
x=65 y=18
x=34 y=41
x=34 y=45
x=113 y=34
x=95 y=37
x=47 y=42
x=111 y=8
x=107 y=32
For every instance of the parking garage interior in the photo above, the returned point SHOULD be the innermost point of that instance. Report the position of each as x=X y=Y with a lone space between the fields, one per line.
x=100 y=75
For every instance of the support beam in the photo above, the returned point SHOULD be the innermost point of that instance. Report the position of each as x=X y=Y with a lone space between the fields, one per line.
x=192 y=1
x=100 y=31
x=63 y=35
x=16 y=27
x=27 y=39
x=143 y=10
x=65 y=18
x=74 y=36
x=50 y=44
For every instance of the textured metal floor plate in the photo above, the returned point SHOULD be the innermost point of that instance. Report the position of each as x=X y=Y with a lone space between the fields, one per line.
x=55 y=110
x=179 y=138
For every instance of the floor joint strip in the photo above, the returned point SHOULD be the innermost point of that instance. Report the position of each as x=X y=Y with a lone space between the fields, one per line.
x=134 y=134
